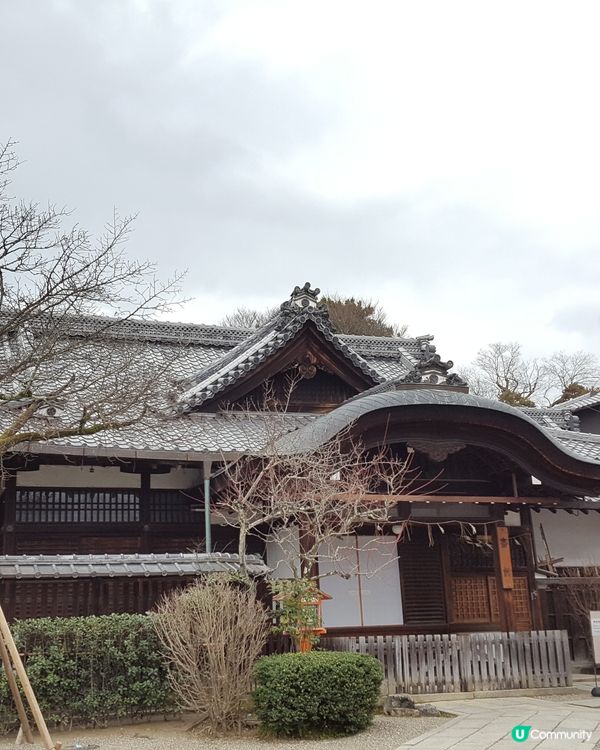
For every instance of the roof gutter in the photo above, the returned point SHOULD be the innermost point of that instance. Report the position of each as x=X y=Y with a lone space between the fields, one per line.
x=84 y=451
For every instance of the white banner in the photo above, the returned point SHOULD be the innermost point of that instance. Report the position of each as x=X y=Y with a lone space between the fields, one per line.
x=595 y=627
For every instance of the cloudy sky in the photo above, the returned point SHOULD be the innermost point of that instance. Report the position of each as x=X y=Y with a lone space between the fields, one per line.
x=441 y=157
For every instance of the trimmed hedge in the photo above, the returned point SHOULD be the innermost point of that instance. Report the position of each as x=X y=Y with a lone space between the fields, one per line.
x=317 y=693
x=90 y=669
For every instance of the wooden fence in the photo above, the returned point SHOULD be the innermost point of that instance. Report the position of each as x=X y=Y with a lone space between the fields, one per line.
x=466 y=662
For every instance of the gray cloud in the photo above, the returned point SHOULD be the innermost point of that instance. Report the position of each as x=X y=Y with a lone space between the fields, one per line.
x=112 y=108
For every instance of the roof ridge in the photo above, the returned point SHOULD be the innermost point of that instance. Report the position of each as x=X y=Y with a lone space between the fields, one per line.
x=587 y=399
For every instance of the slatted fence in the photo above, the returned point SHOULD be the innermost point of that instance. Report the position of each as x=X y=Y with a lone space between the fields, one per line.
x=466 y=662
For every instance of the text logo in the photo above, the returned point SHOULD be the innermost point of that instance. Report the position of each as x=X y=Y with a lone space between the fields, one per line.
x=520 y=733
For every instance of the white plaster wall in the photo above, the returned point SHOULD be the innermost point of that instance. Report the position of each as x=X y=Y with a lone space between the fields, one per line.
x=344 y=608
x=371 y=595
x=177 y=479
x=106 y=477
x=371 y=598
x=576 y=537
x=77 y=476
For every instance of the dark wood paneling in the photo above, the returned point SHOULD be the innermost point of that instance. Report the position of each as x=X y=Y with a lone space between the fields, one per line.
x=423 y=596
x=79 y=597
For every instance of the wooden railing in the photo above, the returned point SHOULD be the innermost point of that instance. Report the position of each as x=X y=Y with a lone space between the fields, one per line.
x=466 y=662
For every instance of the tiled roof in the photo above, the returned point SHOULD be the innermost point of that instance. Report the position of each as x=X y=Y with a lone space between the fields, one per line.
x=194 y=348
x=581 y=402
x=580 y=445
x=160 y=330
x=184 y=437
x=189 y=436
x=205 y=357
x=124 y=566
x=208 y=358
x=292 y=318
x=552 y=418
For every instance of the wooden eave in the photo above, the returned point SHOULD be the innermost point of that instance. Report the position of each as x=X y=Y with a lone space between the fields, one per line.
x=522 y=442
x=535 y=502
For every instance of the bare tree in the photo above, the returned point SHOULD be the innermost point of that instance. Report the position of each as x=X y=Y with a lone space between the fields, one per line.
x=582 y=597
x=571 y=375
x=212 y=634
x=502 y=371
x=515 y=378
x=245 y=317
x=319 y=496
x=68 y=366
x=348 y=315
x=479 y=383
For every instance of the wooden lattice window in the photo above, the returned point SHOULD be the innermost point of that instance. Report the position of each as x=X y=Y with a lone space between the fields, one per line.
x=475 y=599
x=464 y=556
x=172 y=506
x=471 y=599
x=77 y=506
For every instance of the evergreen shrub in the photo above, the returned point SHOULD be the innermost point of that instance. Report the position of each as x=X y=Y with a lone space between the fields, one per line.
x=86 y=670
x=319 y=693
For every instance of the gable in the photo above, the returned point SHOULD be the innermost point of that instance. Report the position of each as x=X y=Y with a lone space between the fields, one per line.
x=308 y=374
x=299 y=338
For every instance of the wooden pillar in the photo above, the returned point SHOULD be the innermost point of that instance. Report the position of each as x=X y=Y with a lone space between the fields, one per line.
x=10 y=515
x=145 y=521
x=206 y=472
x=503 y=571
x=529 y=545
x=442 y=540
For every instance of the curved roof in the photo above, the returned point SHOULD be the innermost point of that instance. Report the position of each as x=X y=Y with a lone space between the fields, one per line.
x=311 y=436
x=483 y=421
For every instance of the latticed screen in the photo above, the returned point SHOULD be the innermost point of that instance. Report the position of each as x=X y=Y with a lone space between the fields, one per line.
x=77 y=506
x=464 y=556
x=471 y=599
x=475 y=599
x=171 y=506
x=67 y=505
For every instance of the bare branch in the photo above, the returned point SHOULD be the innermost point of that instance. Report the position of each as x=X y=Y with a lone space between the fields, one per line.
x=63 y=294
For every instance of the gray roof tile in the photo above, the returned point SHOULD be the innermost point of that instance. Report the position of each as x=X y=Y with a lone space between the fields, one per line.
x=580 y=445
x=581 y=402
x=121 y=566
x=258 y=347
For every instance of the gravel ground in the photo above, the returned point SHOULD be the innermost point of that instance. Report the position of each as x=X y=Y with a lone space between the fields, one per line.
x=386 y=733
x=563 y=697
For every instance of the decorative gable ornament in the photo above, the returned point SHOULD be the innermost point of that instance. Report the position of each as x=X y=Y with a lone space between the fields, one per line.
x=436 y=450
x=304 y=296
x=430 y=366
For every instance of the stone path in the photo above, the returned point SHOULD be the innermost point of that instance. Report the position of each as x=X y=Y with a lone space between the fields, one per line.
x=487 y=723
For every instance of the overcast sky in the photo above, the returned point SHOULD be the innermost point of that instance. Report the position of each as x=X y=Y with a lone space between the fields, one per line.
x=441 y=157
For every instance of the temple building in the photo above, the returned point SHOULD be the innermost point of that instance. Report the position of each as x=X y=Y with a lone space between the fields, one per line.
x=108 y=522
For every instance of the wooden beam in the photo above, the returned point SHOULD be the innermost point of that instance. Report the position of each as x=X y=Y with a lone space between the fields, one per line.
x=529 y=545
x=14 y=689
x=568 y=581
x=8 y=529
x=543 y=502
x=504 y=576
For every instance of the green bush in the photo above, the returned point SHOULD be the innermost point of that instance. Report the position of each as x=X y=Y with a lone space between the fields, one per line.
x=317 y=693
x=90 y=669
